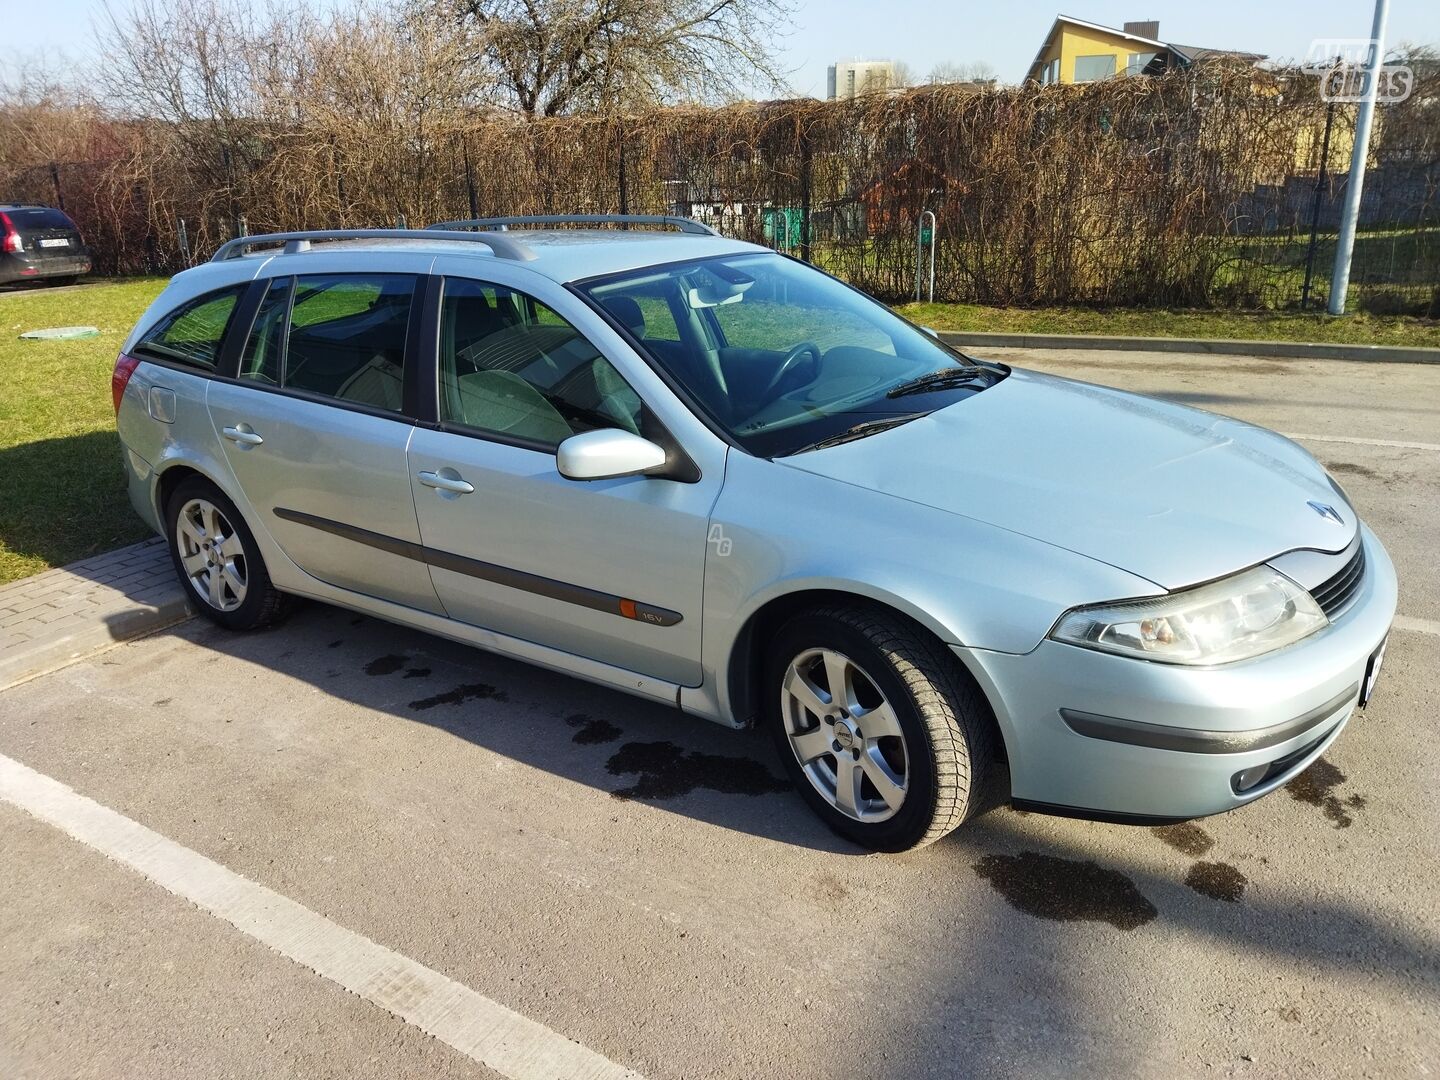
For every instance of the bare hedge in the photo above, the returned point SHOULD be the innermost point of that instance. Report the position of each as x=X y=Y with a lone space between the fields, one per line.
x=1193 y=189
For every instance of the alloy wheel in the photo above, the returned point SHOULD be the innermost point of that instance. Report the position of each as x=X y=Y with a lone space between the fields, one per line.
x=845 y=735
x=212 y=554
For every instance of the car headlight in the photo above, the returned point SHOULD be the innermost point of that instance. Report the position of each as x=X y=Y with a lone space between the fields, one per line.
x=1234 y=618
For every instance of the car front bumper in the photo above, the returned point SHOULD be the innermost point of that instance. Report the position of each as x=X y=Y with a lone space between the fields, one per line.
x=1100 y=735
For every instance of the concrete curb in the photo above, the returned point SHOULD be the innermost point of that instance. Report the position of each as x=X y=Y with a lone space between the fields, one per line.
x=1291 y=350
x=57 y=617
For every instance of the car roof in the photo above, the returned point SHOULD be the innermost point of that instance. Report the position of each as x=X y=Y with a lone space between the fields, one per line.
x=563 y=255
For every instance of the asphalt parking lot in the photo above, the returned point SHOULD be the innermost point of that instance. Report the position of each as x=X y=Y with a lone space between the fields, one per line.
x=641 y=886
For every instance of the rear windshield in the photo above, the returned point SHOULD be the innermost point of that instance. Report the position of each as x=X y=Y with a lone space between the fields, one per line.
x=39 y=217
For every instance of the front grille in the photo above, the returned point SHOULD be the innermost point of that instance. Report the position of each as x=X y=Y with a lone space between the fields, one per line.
x=1337 y=593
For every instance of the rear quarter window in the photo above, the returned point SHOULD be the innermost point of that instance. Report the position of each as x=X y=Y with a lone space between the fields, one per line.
x=192 y=333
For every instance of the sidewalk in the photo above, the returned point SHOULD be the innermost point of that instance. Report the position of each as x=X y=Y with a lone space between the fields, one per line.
x=50 y=619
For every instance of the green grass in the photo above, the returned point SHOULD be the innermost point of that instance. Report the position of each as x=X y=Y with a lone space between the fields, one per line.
x=62 y=494
x=1359 y=329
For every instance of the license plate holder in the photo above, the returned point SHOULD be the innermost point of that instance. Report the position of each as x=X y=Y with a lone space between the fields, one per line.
x=55 y=242
x=1372 y=674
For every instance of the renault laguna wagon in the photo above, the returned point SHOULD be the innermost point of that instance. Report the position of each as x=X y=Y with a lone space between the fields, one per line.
x=701 y=472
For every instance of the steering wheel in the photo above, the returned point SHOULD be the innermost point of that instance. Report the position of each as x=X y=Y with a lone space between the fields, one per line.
x=791 y=361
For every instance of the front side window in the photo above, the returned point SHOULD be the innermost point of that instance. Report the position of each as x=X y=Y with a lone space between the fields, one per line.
x=193 y=332
x=511 y=366
x=344 y=337
x=782 y=356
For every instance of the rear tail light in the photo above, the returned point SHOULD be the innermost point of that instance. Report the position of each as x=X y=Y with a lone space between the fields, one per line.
x=12 y=242
x=124 y=367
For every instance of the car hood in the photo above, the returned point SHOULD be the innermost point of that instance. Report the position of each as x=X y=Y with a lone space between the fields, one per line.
x=1169 y=493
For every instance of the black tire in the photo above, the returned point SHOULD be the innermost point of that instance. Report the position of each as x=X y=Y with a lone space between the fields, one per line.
x=950 y=735
x=261 y=604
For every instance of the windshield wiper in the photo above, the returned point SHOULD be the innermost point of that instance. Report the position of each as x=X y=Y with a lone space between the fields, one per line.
x=935 y=380
x=860 y=430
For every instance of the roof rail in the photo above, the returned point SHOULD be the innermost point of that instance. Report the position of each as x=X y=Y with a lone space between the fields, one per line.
x=684 y=224
x=504 y=247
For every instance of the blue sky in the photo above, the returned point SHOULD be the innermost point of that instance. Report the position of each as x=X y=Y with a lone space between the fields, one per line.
x=1004 y=35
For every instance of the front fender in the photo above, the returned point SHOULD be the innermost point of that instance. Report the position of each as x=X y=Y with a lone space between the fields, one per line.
x=778 y=531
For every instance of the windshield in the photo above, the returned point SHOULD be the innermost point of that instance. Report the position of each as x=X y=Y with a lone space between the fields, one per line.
x=782 y=356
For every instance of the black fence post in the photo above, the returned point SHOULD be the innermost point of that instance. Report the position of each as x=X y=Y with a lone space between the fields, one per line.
x=1315 y=208
x=805 y=170
x=55 y=180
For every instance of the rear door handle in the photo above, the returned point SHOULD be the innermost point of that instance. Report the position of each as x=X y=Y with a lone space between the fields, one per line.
x=445 y=480
x=243 y=434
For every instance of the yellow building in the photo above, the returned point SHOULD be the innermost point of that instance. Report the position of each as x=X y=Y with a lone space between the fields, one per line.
x=1076 y=51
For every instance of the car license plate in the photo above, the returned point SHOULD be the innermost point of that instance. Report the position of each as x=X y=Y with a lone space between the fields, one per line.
x=1372 y=673
x=57 y=242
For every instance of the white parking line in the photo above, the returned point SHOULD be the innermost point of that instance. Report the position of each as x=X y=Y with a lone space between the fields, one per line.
x=482 y=1029
x=1419 y=626
x=1366 y=442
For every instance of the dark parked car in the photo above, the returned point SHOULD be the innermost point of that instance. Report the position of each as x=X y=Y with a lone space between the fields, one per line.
x=39 y=242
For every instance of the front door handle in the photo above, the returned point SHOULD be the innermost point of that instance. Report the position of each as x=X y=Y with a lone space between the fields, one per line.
x=243 y=434
x=445 y=480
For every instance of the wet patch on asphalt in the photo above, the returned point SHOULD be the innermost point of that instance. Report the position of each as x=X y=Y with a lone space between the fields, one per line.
x=1347 y=468
x=417 y=673
x=1217 y=880
x=386 y=665
x=590 y=730
x=1186 y=838
x=461 y=694
x=667 y=771
x=1066 y=890
x=1316 y=786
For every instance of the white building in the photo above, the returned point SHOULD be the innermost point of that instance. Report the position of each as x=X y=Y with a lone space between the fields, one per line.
x=850 y=78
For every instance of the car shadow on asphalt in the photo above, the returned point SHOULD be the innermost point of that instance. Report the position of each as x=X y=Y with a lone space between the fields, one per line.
x=627 y=746
x=1053 y=871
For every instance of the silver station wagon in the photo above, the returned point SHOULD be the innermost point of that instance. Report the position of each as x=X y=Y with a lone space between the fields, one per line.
x=707 y=474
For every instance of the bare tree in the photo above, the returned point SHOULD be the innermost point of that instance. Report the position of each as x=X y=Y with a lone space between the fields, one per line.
x=902 y=74
x=561 y=56
x=948 y=71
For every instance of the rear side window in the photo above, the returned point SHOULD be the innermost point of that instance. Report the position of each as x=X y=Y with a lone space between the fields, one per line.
x=346 y=337
x=193 y=332
x=40 y=217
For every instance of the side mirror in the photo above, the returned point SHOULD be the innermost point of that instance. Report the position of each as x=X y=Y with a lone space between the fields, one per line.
x=606 y=454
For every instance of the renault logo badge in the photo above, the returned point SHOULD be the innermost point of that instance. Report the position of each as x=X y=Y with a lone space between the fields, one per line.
x=1329 y=513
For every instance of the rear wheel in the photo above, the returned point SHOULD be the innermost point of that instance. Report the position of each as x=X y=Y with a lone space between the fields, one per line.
x=217 y=559
x=883 y=733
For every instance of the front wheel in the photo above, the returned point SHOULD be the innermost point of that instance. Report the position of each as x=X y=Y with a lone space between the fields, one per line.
x=217 y=560
x=883 y=733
